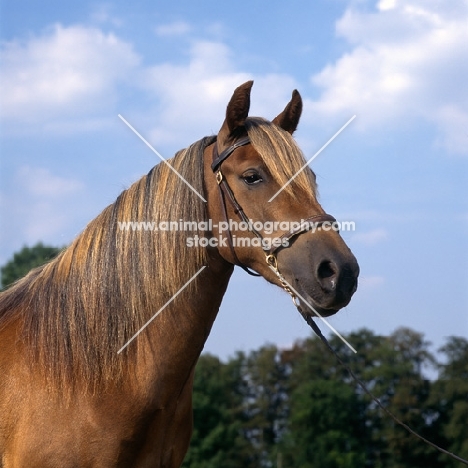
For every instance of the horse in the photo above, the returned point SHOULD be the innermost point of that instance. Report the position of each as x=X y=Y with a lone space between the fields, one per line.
x=99 y=346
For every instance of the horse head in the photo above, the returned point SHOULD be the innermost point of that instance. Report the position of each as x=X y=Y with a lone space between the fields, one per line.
x=265 y=213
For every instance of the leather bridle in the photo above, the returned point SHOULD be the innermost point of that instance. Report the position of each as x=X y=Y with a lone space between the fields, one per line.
x=270 y=254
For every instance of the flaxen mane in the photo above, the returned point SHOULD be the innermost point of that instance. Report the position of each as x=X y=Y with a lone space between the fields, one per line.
x=82 y=307
x=87 y=303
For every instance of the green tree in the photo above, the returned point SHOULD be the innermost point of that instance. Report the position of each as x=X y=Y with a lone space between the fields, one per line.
x=392 y=368
x=325 y=424
x=325 y=427
x=25 y=260
x=217 y=401
x=300 y=408
x=265 y=403
x=398 y=381
x=449 y=397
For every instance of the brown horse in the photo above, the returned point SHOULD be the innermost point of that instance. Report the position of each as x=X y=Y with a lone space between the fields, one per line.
x=68 y=396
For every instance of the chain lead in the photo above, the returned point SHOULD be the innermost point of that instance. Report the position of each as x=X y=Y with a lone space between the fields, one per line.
x=273 y=264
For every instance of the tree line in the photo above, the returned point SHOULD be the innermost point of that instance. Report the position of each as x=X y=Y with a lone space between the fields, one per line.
x=298 y=408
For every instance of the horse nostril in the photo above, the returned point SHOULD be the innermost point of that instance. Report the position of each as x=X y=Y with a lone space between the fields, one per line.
x=327 y=273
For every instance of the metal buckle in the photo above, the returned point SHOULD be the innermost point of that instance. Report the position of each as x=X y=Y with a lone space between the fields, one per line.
x=219 y=177
x=271 y=260
x=273 y=264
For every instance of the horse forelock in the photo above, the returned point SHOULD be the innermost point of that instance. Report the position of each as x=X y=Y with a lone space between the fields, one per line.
x=80 y=309
x=282 y=156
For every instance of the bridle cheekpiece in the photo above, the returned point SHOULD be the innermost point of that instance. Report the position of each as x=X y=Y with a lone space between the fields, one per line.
x=270 y=254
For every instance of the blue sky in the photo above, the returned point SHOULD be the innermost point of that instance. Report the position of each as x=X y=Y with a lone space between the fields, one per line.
x=400 y=170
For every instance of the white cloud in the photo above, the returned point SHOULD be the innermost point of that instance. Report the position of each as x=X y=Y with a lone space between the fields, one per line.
x=40 y=207
x=386 y=4
x=67 y=71
x=408 y=61
x=68 y=79
x=193 y=96
x=454 y=124
x=41 y=182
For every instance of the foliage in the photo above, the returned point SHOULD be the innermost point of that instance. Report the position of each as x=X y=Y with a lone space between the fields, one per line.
x=25 y=260
x=298 y=408
x=449 y=397
x=325 y=426
x=217 y=399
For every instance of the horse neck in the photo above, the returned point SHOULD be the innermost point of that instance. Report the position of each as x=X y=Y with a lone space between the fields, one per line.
x=176 y=337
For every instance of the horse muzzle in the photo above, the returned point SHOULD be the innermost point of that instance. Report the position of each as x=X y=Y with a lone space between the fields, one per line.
x=324 y=277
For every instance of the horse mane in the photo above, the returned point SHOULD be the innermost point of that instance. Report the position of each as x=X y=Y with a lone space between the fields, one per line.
x=82 y=307
x=78 y=310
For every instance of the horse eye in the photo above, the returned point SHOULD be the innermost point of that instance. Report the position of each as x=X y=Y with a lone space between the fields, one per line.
x=252 y=178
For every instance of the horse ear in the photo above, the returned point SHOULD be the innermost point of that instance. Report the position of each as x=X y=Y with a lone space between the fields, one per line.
x=289 y=118
x=238 y=107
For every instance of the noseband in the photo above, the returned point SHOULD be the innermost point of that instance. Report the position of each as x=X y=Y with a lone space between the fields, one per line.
x=226 y=192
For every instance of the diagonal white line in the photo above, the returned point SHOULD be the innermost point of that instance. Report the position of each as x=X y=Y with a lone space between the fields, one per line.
x=318 y=315
x=160 y=157
x=161 y=309
x=312 y=158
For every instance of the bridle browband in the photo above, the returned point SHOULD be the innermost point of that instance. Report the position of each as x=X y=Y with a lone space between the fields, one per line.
x=219 y=158
x=226 y=192
x=271 y=260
